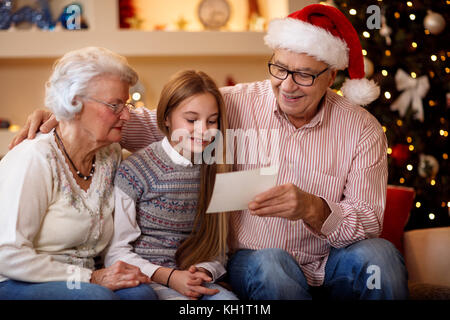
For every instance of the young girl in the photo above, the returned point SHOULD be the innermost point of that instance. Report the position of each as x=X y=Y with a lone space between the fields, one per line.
x=162 y=196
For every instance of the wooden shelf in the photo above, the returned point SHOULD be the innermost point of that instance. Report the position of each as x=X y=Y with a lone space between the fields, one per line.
x=52 y=44
x=104 y=32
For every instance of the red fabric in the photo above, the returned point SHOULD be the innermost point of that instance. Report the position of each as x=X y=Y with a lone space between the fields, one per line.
x=400 y=154
x=399 y=202
x=336 y=23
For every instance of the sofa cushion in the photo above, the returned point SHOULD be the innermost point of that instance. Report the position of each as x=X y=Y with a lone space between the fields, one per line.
x=399 y=202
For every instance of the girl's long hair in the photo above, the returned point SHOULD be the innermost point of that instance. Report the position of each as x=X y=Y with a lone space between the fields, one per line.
x=208 y=239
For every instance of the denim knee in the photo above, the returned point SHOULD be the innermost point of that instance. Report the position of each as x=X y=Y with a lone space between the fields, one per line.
x=141 y=292
x=373 y=268
x=90 y=291
x=223 y=293
x=274 y=274
x=54 y=290
x=272 y=261
x=376 y=251
x=380 y=254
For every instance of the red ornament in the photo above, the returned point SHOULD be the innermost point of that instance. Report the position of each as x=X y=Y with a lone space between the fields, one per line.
x=126 y=11
x=400 y=154
x=229 y=81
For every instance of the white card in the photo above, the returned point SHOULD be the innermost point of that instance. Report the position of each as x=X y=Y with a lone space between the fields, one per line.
x=234 y=190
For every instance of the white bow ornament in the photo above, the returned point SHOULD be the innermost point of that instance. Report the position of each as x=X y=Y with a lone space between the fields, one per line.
x=414 y=91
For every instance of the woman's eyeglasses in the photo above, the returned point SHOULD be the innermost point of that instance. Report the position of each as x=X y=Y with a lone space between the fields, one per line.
x=117 y=108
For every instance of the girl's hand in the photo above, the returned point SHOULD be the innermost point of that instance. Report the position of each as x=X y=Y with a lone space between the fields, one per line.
x=189 y=283
x=202 y=275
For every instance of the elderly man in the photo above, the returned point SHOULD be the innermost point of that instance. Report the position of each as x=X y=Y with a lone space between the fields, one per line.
x=319 y=225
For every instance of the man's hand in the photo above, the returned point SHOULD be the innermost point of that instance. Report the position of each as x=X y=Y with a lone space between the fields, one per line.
x=39 y=120
x=288 y=201
x=118 y=276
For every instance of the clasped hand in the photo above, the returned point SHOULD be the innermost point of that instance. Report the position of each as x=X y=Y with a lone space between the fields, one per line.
x=118 y=276
x=190 y=282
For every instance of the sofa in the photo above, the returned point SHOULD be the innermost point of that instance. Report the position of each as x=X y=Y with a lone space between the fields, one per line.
x=426 y=251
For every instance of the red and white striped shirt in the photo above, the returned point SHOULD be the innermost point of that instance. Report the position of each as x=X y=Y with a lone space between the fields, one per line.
x=340 y=156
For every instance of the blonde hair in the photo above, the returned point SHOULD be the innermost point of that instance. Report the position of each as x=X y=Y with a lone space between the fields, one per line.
x=208 y=239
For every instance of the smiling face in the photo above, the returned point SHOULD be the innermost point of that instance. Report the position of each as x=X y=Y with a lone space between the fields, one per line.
x=97 y=119
x=300 y=103
x=193 y=124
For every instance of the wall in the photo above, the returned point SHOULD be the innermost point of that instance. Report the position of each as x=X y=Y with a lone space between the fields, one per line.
x=22 y=80
x=158 y=13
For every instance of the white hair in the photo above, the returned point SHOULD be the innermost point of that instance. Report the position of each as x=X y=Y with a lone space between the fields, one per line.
x=72 y=73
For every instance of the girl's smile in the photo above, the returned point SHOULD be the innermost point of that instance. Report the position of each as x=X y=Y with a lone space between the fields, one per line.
x=193 y=124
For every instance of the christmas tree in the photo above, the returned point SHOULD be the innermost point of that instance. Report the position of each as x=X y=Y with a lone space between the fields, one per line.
x=406 y=50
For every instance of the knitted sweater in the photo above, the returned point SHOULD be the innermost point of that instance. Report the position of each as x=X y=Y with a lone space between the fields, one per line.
x=166 y=196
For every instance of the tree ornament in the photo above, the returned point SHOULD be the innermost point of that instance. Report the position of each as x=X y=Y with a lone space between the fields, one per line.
x=181 y=23
x=385 y=31
x=329 y=3
x=414 y=90
x=41 y=17
x=137 y=93
x=126 y=11
x=428 y=166
x=5 y=14
x=256 y=21
x=4 y=124
x=434 y=22
x=400 y=154
x=229 y=81
x=368 y=67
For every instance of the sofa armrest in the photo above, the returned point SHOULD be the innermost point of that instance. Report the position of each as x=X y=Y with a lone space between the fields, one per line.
x=427 y=255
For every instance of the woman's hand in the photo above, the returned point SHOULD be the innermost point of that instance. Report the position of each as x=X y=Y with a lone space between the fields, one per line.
x=33 y=125
x=118 y=276
x=190 y=282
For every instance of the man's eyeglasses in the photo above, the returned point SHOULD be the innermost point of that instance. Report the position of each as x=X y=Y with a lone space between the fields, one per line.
x=300 y=78
x=117 y=108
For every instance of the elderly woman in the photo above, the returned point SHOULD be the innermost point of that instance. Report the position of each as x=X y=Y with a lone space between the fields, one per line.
x=56 y=191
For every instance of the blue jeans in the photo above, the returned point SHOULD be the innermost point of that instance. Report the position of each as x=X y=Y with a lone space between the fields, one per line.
x=165 y=293
x=369 y=269
x=58 y=290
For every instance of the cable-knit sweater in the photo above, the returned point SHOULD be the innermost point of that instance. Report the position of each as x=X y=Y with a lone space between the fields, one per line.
x=166 y=196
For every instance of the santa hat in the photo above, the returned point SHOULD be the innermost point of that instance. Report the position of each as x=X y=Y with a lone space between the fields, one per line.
x=323 y=32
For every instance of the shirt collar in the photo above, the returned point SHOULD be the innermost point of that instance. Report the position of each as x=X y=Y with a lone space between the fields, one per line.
x=174 y=155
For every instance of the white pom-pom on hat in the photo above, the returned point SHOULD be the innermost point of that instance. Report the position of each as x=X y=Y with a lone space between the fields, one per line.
x=325 y=33
x=360 y=91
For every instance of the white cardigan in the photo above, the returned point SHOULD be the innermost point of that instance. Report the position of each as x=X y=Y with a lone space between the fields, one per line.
x=47 y=222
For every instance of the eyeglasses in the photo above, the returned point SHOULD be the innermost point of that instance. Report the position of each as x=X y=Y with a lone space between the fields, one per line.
x=117 y=108
x=300 y=78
